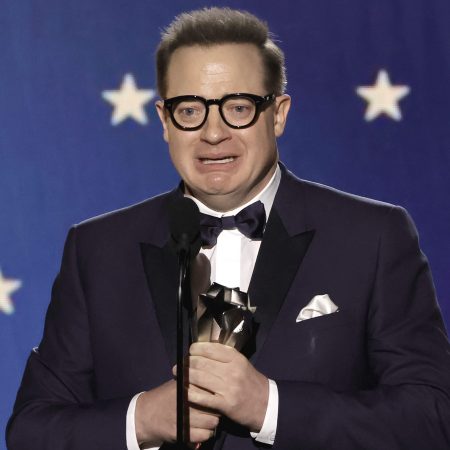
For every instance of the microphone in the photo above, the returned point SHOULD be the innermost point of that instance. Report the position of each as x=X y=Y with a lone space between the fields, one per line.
x=184 y=225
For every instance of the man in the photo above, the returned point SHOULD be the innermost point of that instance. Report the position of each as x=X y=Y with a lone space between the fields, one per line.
x=372 y=371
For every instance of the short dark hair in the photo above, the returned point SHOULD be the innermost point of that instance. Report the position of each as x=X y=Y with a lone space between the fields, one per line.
x=215 y=26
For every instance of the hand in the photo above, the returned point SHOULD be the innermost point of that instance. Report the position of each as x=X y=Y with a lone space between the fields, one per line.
x=156 y=418
x=228 y=384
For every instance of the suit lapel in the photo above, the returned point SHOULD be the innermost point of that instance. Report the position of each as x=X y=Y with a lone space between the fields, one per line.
x=285 y=243
x=161 y=270
x=160 y=265
x=278 y=261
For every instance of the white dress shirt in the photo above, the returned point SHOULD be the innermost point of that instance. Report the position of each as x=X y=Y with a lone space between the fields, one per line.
x=232 y=261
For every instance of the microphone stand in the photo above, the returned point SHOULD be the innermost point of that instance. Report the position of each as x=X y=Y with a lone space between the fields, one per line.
x=184 y=223
x=183 y=264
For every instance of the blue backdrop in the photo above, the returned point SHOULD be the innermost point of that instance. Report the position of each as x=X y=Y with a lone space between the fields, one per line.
x=79 y=134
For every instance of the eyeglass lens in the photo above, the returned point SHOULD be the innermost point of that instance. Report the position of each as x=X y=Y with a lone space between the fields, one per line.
x=237 y=111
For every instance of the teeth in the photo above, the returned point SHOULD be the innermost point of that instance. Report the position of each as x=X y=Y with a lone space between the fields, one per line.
x=218 y=161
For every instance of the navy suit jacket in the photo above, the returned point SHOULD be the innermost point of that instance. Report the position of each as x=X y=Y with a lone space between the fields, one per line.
x=375 y=375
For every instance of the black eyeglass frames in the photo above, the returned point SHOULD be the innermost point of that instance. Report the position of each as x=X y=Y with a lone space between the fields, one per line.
x=240 y=110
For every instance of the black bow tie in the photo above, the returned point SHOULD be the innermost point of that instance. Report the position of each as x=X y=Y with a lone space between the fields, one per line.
x=250 y=222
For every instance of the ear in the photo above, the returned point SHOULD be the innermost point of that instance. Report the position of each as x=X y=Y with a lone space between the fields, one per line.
x=163 y=118
x=282 y=105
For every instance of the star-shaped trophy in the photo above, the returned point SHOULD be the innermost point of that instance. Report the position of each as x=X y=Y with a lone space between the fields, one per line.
x=223 y=315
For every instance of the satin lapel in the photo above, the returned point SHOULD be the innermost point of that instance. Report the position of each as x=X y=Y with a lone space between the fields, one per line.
x=285 y=243
x=278 y=261
x=161 y=270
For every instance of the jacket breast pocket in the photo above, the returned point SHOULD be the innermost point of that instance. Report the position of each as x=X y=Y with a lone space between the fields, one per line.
x=332 y=320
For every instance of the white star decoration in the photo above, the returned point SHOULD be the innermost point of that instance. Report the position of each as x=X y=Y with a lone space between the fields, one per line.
x=129 y=101
x=7 y=287
x=383 y=97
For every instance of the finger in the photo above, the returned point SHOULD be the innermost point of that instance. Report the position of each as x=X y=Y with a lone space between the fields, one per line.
x=196 y=388
x=199 y=419
x=206 y=380
x=200 y=435
x=186 y=367
x=206 y=364
x=213 y=350
x=197 y=408
x=205 y=410
x=175 y=370
x=204 y=399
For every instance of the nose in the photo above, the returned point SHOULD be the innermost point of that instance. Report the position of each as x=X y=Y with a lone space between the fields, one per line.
x=215 y=130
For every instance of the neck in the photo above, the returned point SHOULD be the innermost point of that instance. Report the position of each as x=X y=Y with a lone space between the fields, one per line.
x=220 y=203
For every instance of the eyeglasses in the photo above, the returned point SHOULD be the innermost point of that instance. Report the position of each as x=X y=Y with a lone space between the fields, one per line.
x=189 y=112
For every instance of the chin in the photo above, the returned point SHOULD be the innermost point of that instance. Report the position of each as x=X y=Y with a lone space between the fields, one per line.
x=217 y=185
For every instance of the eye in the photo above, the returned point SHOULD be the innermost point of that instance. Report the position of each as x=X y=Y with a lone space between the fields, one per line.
x=188 y=111
x=239 y=108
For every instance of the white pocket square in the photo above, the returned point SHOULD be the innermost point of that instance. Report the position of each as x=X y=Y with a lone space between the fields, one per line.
x=320 y=305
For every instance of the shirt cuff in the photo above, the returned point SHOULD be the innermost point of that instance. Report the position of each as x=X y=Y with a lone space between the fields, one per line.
x=132 y=443
x=269 y=429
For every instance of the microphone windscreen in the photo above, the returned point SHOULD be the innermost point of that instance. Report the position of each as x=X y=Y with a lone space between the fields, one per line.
x=184 y=224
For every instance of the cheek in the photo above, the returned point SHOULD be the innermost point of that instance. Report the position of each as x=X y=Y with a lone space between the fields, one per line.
x=180 y=150
x=176 y=155
x=262 y=147
x=262 y=134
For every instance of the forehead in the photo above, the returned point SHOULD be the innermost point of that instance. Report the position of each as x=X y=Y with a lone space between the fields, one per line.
x=215 y=71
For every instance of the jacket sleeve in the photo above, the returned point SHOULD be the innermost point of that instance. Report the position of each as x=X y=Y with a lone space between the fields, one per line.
x=409 y=359
x=56 y=406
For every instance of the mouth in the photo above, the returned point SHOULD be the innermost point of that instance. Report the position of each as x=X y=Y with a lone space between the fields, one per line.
x=224 y=160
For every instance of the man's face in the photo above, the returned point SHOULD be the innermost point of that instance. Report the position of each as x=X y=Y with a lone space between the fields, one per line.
x=221 y=166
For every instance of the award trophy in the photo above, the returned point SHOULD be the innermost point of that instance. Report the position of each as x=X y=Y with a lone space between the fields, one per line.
x=219 y=313
x=223 y=315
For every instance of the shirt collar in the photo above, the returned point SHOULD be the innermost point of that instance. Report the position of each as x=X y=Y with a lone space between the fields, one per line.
x=266 y=196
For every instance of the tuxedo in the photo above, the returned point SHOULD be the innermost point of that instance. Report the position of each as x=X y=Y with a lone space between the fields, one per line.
x=373 y=375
